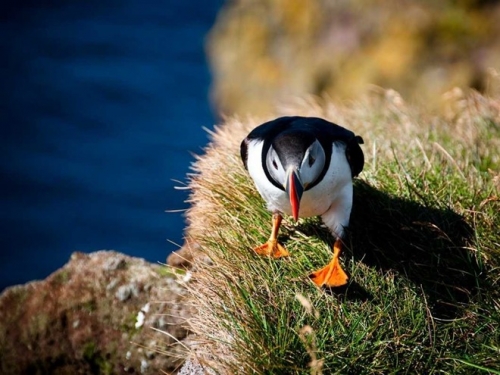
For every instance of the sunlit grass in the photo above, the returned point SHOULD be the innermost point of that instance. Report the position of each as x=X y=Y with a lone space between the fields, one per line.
x=423 y=253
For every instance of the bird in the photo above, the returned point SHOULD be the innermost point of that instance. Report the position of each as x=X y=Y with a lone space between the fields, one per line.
x=304 y=167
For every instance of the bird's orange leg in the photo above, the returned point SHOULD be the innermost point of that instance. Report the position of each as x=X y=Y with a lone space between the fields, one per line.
x=272 y=248
x=332 y=274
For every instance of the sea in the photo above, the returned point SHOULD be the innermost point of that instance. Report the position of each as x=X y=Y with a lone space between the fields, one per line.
x=102 y=107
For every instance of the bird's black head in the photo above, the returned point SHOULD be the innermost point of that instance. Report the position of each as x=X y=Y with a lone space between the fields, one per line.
x=295 y=161
x=295 y=150
x=291 y=146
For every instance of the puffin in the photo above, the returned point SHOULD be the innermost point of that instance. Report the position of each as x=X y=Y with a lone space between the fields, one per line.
x=303 y=167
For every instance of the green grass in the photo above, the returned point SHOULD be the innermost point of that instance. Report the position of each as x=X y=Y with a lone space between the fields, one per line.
x=423 y=254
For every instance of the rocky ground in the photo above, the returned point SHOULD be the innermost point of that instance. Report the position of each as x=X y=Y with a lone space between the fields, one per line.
x=103 y=312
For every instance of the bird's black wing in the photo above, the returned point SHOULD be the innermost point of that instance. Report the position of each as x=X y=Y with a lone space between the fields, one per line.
x=355 y=155
x=244 y=152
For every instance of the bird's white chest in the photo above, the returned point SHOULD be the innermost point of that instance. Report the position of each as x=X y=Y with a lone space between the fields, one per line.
x=336 y=184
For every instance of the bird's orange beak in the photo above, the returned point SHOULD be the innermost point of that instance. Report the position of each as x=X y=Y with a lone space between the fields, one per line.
x=294 y=188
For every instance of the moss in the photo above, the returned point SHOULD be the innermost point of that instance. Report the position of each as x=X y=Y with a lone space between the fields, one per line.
x=39 y=324
x=95 y=360
x=89 y=306
x=62 y=277
x=170 y=272
x=128 y=324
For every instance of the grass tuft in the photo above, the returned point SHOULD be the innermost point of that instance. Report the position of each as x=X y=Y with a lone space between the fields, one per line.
x=423 y=251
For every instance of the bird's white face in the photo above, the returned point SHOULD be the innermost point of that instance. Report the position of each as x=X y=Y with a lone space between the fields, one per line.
x=276 y=170
x=308 y=171
x=312 y=164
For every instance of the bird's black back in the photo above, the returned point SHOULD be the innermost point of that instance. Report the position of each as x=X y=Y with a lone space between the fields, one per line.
x=304 y=130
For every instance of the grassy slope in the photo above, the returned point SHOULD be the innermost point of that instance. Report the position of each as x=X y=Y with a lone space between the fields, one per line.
x=423 y=254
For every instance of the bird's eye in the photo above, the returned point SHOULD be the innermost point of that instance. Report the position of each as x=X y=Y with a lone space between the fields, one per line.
x=311 y=160
x=275 y=165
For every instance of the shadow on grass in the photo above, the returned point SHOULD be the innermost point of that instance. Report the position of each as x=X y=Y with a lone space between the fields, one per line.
x=424 y=244
x=353 y=291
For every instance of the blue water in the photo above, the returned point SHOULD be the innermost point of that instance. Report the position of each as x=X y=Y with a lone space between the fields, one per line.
x=101 y=105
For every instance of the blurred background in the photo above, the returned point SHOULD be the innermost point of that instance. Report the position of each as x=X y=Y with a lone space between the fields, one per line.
x=102 y=103
x=265 y=51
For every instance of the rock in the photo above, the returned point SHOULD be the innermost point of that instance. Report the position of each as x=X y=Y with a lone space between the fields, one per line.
x=100 y=313
x=193 y=367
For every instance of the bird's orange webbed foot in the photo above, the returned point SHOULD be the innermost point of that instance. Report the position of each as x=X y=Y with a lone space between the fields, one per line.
x=332 y=275
x=272 y=248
